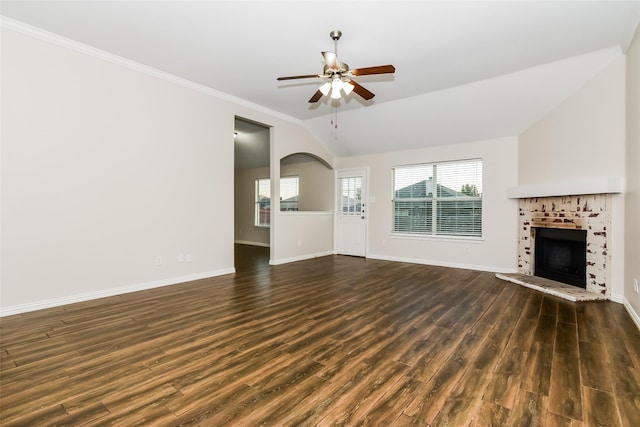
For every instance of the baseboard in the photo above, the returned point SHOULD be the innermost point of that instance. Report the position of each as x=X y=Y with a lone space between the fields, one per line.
x=71 y=299
x=247 y=242
x=299 y=258
x=443 y=264
x=617 y=298
x=634 y=316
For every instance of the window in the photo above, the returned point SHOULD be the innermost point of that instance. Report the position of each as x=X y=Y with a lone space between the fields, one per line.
x=263 y=202
x=438 y=199
x=289 y=193
x=288 y=198
x=351 y=195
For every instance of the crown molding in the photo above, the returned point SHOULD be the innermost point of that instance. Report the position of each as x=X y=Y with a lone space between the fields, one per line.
x=59 y=40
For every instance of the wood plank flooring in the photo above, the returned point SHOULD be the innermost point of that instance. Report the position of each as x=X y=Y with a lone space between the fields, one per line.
x=331 y=341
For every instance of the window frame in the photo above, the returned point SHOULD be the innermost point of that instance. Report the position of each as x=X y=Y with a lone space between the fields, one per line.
x=257 y=206
x=297 y=202
x=257 y=203
x=436 y=204
x=354 y=198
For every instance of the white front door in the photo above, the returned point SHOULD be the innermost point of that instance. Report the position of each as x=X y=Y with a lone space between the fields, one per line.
x=351 y=213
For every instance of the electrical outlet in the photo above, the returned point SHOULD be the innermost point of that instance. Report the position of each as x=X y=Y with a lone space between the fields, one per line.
x=635 y=285
x=159 y=260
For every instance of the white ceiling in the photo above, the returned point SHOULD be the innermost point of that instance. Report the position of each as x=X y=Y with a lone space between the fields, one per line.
x=464 y=70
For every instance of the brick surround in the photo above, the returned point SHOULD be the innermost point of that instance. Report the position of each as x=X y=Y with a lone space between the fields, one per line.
x=584 y=212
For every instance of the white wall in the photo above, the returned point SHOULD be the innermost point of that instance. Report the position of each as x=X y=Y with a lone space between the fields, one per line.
x=245 y=187
x=316 y=185
x=107 y=165
x=309 y=232
x=632 y=200
x=308 y=235
x=497 y=251
x=290 y=141
x=103 y=170
x=581 y=139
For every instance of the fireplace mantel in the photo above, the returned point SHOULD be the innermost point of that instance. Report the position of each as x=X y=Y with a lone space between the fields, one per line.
x=601 y=185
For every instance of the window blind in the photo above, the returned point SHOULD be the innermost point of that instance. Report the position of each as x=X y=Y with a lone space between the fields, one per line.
x=438 y=198
x=351 y=195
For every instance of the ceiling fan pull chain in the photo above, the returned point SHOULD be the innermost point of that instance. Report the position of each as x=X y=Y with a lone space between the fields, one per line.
x=333 y=109
x=334 y=116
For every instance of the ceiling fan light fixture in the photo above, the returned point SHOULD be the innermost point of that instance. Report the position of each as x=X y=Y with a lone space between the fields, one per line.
x=336 y=86
x=325 y=88
x=347 y=87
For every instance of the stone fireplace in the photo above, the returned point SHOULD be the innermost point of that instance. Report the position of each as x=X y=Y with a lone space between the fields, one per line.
x=589 y=213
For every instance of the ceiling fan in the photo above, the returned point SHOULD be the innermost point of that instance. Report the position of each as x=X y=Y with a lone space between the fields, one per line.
x=340 y=77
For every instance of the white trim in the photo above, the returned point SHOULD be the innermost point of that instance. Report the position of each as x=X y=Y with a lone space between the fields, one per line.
x=634 y=316
x=437 y=237
x=444 y=264
x=598 y=185
x=302 y=213
x=299 y=258
x=247 y=242
x=617 y=298
x=71 y=299
x=59 y=40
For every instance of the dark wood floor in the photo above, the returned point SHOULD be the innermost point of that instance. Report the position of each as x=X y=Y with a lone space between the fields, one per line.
x=331 y=341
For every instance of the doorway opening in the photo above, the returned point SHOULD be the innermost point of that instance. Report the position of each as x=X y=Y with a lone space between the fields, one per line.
x=252 y=166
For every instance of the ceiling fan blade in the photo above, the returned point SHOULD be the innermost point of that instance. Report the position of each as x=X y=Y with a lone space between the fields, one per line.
x=360 y=90
x=331 y=59
x=316 y=96
x=380 y=69
x=306 y=76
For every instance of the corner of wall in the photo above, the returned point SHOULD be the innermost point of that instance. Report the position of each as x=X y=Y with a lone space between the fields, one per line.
x=632 y=191
x=634 y=315
x=587 y=127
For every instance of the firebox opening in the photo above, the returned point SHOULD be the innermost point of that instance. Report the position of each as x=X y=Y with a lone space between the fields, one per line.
x=561 y=255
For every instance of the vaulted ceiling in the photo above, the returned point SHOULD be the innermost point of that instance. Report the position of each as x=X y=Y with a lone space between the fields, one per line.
x=464 y=70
